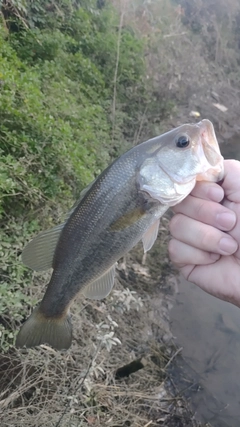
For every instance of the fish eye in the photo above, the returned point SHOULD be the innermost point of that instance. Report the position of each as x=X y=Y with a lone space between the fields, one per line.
x=182 y=141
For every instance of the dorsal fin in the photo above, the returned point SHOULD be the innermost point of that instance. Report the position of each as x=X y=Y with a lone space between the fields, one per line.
x=82 y=194
x=39 y=252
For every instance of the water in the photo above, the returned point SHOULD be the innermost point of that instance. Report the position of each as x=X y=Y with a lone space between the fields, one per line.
x=209 y=332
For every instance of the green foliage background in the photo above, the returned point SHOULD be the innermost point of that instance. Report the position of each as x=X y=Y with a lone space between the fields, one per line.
x=58 y=127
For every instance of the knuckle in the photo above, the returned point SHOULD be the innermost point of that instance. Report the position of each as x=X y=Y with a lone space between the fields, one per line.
x=200 y=189
x=200 y=209
x=209 y=240
x=175 y=224
x=233 y=164
x=173 y=250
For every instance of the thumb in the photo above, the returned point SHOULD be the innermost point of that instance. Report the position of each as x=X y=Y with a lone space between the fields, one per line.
x=231 y=180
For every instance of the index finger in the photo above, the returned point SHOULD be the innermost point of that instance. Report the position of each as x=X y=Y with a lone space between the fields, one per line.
x=208 y=191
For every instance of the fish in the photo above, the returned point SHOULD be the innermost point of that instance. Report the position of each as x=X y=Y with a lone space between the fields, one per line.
x=122 y=206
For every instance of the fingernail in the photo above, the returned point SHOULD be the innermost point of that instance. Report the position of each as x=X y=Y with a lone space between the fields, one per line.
x=226 y=220
x=227 y=245
x=215 y=193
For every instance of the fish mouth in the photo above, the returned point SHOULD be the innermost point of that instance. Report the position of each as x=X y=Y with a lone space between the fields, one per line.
x=209 y=155
x=207 y=158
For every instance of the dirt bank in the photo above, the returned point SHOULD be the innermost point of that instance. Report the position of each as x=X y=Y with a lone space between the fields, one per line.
x=215 y=100
x=115 y=373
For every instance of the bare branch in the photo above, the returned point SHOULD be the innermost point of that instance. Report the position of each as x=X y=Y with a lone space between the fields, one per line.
x=123 y=4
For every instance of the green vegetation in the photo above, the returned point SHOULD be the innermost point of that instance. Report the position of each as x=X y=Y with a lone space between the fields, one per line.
x=73 y=92
x=58 y=129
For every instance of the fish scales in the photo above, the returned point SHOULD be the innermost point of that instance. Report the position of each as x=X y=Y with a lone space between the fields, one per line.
x=89 y=235
x=121 y=207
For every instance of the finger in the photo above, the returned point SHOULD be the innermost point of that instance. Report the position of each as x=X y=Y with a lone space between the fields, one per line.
x=219 y=279
x=187 y=270
x=208 y=191
x=201 y=236
x=207 y=212
x=181 y=254
x=203 y=276
x=235 y=232
x=231 y=180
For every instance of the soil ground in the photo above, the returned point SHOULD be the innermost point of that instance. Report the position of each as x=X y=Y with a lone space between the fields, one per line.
x=100 y=381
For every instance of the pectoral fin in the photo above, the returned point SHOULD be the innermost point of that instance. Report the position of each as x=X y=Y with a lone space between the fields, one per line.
x=101 y=287
x=39 y=252
x=150 y=236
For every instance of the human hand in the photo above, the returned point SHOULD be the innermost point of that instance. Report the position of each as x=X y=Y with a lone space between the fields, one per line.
x=206 y=235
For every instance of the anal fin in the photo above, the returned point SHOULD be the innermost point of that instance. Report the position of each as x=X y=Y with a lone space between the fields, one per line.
x=101 y=287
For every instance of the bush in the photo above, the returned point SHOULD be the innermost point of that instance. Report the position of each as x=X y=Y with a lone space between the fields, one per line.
x=57 y=126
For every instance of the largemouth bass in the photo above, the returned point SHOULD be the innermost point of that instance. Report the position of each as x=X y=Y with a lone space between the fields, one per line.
x=121 y=207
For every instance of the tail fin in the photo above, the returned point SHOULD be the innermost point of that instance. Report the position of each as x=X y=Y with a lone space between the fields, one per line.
x=39 y=329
